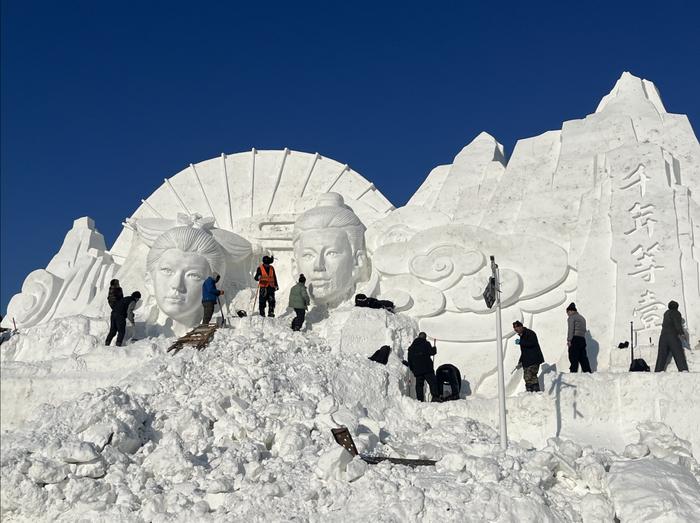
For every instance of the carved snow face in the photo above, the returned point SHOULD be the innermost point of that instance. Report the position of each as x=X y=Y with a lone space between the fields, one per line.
x=177 y=279
x=325 y=256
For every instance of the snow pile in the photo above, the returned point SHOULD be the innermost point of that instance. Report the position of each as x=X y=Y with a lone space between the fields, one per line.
x=241 y=431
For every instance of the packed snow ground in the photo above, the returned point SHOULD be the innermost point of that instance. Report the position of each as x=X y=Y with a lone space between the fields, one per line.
x=241 y=431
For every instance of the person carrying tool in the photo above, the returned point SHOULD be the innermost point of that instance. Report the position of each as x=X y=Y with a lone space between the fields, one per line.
x=421 y=364
x=210 y=295
x=267 y=285
x=123 y=310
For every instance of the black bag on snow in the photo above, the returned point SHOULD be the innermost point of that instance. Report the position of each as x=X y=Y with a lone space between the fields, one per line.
x=361 y=300
x=639 y=365
x=448 y=374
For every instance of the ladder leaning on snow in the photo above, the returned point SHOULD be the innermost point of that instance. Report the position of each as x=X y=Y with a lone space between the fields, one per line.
x=343 y=438
x=199 y=338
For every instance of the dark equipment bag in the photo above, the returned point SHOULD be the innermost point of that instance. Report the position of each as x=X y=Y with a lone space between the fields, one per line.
x=639 y=365
x=448 y=374
x=362 y=300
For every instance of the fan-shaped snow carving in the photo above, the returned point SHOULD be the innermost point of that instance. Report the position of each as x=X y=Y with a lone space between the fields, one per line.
x=257 y=194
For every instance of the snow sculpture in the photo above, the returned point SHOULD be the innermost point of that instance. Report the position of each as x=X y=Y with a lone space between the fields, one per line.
x=182 y=254
x=329 y=248
x=72 y=281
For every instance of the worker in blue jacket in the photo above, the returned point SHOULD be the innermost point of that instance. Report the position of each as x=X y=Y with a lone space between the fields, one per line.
x=210 y=295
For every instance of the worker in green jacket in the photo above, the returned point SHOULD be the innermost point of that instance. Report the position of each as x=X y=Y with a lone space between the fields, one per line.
x=299 y=301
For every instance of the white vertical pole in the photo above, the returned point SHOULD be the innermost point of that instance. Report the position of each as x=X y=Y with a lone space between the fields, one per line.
x=499 y=355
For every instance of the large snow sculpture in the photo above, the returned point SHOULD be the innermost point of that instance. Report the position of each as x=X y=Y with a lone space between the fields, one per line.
x=181 y=254
x=329 y=248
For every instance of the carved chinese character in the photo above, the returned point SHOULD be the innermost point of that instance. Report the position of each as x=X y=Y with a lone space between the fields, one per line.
x=637 y=177
x=641 y=214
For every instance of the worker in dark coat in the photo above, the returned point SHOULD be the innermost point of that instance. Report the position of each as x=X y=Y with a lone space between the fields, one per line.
x=123 y=310
x=421 y=364
x=267 y=285
x=210 y=295
x=115 y=293
x=530 y=356
x=670 y=340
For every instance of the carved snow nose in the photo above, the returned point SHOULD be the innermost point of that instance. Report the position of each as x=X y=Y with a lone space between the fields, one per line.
x=319 y=263
x=177 y=282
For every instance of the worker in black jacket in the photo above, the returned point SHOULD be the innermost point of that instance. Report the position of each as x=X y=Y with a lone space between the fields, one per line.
x=530 y=356
x=421 y=364
x=671 y=340
x=122 y=310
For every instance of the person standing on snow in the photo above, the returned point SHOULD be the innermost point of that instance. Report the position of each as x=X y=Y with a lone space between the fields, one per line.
x=267 y=283
x=670 y=340
x=530 y=356
x=123 y=310
x=421 y=365
x=210 y=295
x=115 y=293
x=575 y=339
x=299 y=301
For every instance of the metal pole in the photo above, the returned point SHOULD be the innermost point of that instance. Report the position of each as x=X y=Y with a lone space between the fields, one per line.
x=499 y=355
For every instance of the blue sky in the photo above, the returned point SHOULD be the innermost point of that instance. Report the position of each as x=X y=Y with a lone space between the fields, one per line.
x=102 y=100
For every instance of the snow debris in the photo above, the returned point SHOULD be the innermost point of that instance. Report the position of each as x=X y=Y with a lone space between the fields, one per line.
x=242 y=429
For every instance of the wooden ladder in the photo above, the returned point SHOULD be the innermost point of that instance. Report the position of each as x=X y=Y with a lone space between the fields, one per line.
x=199 y=338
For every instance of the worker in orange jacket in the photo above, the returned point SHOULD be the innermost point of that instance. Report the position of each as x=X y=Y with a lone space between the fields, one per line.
x=267 y=283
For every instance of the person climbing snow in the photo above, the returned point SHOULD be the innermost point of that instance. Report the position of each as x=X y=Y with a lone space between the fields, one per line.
x=530 y=356
x=210 y=295
x=123 y=310
x=267 y=283
x=421 y=364
x=576 y=341
x=115 y=293
x=671 y=340
x=299 y=301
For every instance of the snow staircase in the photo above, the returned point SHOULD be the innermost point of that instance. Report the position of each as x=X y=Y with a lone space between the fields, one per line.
x=199 y=338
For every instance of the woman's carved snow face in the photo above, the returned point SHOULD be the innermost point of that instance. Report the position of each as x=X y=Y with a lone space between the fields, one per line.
x=177 y=279
x=325 y=256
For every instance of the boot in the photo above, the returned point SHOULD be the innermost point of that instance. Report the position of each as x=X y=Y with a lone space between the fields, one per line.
x=535 y=387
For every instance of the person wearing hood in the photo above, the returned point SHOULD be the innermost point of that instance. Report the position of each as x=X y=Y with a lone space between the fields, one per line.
x=115 y=293
x=299 y=301
x=210 y=295
x=670 y=340
x=123 y=310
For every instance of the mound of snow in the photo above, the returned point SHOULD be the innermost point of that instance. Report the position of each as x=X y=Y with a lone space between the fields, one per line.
x=241 y=431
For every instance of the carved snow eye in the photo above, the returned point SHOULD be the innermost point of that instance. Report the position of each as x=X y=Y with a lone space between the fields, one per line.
x=309 y=256
x=166 y=270
x=332 y=254
x=194 y=276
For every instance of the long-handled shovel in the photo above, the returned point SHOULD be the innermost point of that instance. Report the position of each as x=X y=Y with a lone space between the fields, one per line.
x=221 y=309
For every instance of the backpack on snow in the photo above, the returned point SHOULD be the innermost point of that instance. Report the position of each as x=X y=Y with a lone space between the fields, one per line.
x=636 y=365
x=448 y=374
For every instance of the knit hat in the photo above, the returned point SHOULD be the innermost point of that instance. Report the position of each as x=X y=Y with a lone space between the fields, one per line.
x=571 y=307
x=673 y=305
x=216 y=276
x=302 y=278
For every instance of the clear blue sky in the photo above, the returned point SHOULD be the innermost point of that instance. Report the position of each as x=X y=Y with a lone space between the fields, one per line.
x=102 y=100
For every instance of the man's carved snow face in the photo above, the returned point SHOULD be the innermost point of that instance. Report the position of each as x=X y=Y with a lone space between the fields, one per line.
x=177 y=279
x=325 y=256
